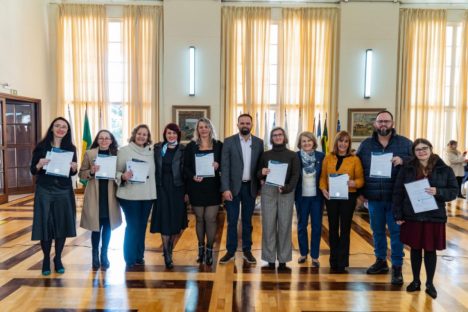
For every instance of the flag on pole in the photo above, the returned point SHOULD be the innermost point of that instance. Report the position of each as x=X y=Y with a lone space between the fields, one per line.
x=266 y=137
x=325 y=137
x=338 y=125
x=86 y=141
x=257 y=125
x=319 y=135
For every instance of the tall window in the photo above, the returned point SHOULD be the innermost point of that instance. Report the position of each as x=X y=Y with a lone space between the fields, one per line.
x=115 y=74
x=453 y=52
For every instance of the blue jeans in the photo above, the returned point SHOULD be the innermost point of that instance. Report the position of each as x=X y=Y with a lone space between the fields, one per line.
x=233 y=209
x=381 y=215
x=309 y=207
x=136 y=215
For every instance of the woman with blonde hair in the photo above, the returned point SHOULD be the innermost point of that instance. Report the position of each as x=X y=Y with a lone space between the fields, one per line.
x=309 y=199
x=340 y=210
x=204 y=192
x=457 y=161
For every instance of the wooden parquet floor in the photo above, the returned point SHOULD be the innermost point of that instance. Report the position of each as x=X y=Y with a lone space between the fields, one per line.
x=236 y=286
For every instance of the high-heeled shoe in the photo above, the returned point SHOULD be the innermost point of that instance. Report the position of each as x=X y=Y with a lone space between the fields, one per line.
x=167 y=259
x=58 y=265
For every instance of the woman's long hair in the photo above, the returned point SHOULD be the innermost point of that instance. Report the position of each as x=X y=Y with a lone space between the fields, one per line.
x=113 y=147
x=210 y=125
x=48 y=138
x=431 y=162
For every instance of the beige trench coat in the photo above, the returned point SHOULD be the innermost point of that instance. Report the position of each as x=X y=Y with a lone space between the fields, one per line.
x=90 y=212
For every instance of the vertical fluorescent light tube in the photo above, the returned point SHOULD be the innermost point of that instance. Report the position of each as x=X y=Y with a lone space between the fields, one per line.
x=192 y=71
x=368 y=74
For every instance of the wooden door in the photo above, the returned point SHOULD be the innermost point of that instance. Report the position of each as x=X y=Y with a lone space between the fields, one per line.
x=3 y=182
x=21 y=132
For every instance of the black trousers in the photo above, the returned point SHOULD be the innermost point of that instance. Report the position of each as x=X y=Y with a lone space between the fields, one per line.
x=340 y=216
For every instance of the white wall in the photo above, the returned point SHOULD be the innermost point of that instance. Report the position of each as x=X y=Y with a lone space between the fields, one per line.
x=24 y=50
x=191 y=23
x=367 y=26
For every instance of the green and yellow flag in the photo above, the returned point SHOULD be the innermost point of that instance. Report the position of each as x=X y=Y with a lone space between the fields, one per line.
x=86 y=142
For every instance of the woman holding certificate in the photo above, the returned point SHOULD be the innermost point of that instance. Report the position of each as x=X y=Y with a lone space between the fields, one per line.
x=101 y=211
x=136 y=191
x=342 y=175
x=279 y=172
x=169 y=214
x=202 y=165
x=309 y=200
x=53 y=162
x=423 y=226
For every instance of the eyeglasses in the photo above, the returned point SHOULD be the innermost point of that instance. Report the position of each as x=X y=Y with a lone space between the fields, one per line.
x=421 y=149
x=277 y=135
x=58 y=126
x=380 y=122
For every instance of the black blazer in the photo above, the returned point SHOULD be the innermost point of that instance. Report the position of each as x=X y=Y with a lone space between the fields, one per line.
x=177 y=164
x=442 y=178
x=232 y=165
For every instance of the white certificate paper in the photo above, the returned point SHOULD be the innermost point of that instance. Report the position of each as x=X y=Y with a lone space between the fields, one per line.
x=338 y=186
x=204 y=165
x=60 y=161
x=107 y=165
x=277 y=175
x=46 y=157
x=140 y=169
x=381 y=165
x=420 y=200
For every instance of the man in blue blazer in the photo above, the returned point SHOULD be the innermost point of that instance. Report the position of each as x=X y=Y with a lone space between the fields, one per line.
x=239 y=159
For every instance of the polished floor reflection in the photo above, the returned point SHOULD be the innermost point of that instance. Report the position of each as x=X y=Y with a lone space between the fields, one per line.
x=236 y=286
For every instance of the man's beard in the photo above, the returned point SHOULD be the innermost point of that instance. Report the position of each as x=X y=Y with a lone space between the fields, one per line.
x=384 y=132
x=244 y=131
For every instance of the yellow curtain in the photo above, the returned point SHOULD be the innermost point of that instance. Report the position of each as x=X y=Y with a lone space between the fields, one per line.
x=142 y=45
x=307 y=62
x=81 y=67
x=245 y=41
x=462 y=104
x=420 y=101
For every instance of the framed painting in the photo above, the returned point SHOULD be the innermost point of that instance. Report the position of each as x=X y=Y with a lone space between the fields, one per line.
x=361 y=122
x=186 y=117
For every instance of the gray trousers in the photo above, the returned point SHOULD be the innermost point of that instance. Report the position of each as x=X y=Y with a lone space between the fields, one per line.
x=277 y=210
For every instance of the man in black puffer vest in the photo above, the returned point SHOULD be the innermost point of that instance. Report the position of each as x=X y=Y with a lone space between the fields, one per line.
x=378 y=191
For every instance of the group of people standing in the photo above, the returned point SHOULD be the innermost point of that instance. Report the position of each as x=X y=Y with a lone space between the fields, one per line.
x=241 y=168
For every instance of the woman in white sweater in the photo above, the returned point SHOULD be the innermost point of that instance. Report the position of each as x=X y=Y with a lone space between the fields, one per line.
x=456 y=160
x=136 y=194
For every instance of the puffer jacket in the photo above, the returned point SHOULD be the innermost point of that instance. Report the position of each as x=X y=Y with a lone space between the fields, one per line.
x=442 y=178
x=382 y=188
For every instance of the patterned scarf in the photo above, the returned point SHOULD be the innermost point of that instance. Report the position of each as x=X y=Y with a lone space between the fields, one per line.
x=308 y=161
x=164 y=148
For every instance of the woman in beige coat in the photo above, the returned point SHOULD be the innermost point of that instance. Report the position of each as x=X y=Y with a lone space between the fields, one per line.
x=101 y=211
x=456 y=160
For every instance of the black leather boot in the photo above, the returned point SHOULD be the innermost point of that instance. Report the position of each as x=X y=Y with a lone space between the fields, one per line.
x=209 y=256
x=201 y=253
x=96 y=263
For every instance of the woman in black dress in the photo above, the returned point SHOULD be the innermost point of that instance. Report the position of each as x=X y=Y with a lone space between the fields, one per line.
x=426 y=229
x=54 y=200
x=204 y=192
x=169 y=215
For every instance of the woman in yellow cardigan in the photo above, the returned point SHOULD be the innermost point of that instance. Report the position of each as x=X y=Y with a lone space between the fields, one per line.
x=340 y=206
